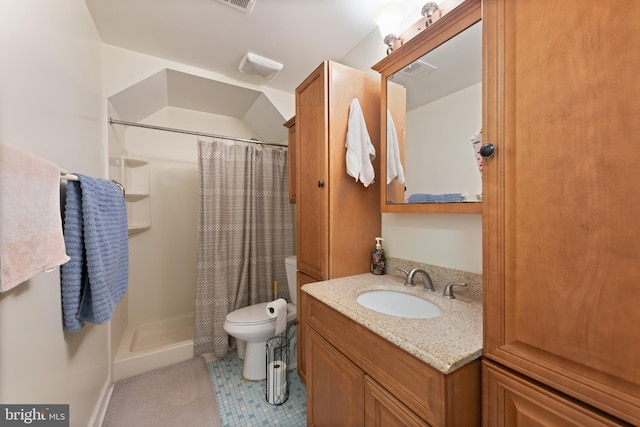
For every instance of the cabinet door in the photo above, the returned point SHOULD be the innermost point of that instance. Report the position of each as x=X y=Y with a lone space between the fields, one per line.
x=312 y=206
x=335 y=386
x=301 y=297
x=560 y=220
x=512 y=401
x=382 y=409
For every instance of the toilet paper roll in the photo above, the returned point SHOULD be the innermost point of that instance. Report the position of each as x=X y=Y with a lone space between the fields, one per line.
x=278 y=309
x=276 y=382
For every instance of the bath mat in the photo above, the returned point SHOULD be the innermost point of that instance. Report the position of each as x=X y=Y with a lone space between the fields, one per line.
x=243 y=403
x=177 y=395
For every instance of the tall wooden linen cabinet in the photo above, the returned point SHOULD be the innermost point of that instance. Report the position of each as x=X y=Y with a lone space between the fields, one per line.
x=337 y=218
x=561 y=213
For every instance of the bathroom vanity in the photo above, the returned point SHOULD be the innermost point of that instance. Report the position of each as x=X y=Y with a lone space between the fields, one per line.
x=366 y=368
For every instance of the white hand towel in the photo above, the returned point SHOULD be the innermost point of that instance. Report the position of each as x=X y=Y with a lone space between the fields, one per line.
x=31 y=238
x=278 y=309
x=360 y=150
x=394 y=165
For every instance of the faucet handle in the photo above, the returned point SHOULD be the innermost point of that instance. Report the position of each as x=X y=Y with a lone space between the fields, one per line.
x=448 y=290
x=409 y=280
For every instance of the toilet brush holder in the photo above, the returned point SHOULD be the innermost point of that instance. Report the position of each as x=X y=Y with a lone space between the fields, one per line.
x=277 y=386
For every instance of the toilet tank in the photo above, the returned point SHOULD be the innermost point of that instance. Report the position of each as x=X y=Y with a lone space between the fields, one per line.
x=290 y=265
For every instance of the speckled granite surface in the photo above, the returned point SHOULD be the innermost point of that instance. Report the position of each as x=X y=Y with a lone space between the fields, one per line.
x=446 y=342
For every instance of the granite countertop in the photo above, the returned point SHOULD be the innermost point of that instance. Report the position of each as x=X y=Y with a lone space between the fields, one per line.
x=446 y=342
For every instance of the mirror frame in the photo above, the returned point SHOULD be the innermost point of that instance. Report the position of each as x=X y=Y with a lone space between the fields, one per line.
x=449 y=25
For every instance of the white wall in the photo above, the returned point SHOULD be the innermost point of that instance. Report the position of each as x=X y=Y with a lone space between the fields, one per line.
x=367 y=53
x=439 y=157
x=163 y=258
x=51 y=104
x=452 y=241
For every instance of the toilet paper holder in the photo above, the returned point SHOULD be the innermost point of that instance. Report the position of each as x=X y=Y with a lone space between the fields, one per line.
x=277 y=385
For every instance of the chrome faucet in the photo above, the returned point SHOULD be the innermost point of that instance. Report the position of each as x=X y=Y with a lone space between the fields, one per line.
x=448 y=290
x=426 y=279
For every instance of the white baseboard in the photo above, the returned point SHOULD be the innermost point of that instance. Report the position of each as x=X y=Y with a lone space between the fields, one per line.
x=97 y=418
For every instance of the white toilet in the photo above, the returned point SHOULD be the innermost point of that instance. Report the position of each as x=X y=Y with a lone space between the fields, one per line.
x=251 y=327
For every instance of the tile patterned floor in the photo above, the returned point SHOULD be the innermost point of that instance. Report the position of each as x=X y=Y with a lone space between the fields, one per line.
x=243 y=403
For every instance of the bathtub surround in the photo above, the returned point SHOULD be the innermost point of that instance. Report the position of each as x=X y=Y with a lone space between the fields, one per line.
x=244 y=403
x=153 y=345
x=177 y=395
x=245 y=231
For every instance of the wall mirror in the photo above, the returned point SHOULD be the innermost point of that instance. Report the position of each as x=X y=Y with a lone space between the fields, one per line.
x=432 y=108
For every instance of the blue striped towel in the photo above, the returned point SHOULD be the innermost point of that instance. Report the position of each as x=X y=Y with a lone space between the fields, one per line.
x=95 y=235
x=436 y=198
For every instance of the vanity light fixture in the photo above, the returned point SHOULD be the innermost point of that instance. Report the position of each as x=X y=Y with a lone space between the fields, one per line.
x=431 y=12
x=389 y=18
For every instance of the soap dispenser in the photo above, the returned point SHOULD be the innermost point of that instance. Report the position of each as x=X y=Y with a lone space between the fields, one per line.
x=378 y=260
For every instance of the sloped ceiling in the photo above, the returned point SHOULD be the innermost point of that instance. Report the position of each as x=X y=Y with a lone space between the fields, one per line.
x=177 y=89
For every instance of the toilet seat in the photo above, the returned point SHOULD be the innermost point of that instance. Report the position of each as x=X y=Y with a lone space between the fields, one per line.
x=257 y=315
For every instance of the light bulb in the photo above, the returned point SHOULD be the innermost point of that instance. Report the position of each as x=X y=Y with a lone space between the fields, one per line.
x=389 y=18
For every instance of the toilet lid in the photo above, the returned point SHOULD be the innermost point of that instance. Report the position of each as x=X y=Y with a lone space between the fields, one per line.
x=255 y=314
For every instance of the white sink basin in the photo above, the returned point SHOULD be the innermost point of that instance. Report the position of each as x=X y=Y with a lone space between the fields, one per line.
x=398 y=304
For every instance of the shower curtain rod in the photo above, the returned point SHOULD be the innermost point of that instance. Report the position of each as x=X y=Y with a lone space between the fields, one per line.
x=190 y=132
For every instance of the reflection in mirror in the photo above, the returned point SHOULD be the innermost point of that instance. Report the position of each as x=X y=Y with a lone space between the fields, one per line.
x=435 y=105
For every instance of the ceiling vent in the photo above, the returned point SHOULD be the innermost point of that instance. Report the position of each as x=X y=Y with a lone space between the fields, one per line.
x=259 y=66
x=244 y=5
x=418 y=69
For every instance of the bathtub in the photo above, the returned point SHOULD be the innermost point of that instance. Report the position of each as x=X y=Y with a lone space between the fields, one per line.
x=154 y=345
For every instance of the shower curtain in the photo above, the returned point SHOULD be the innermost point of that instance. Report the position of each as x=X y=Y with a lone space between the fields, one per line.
x=246 y=228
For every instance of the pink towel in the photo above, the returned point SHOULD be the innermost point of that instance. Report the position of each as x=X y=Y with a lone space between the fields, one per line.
x=31 y=238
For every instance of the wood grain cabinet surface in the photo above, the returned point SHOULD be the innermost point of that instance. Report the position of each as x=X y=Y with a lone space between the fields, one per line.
x=337 y=218
x=516 y=402
x=560 y=220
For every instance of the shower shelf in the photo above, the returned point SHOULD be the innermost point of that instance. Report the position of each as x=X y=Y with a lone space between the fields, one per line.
x=135 y=229
x=134 y=197
x=134 y=175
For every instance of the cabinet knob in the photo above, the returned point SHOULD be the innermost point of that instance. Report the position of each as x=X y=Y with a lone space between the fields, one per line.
x=320 y=184
x=487 y=150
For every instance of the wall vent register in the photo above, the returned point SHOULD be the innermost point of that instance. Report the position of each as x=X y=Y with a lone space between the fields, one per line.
x=244 y=5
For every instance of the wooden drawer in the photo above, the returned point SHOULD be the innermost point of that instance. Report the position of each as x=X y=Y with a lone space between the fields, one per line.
x=512 y=401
